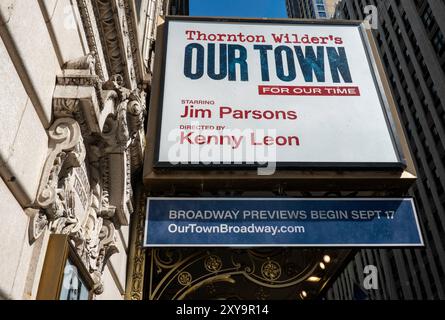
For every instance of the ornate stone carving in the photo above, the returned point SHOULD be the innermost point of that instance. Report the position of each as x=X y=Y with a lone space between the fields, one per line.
x=81 y=72
x=68 y=205
x=91 y=32
x=136 y=111
x=37 y=224
x=55 y=194
x=112 y=22
x=87 y=62
x=65 y=107
x=80 y=94
x=96 y=125
x=124 y=129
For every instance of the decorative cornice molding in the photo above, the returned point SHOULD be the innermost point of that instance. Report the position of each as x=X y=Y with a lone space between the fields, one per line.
x=119 y=39
x=82 y=72
x=134 y=41
x=91 y=33
x=111 y=31
x=66 y=203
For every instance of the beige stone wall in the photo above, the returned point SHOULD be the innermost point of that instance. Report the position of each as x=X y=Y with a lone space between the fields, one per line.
x=36 y=38
x=21 y=263
x=25 y=111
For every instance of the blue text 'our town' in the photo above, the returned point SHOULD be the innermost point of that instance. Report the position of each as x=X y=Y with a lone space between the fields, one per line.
x=200 y=60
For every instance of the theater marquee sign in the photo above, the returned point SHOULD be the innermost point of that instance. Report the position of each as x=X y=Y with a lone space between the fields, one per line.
x=246 y=93
x=274 y=222
x=231 y=94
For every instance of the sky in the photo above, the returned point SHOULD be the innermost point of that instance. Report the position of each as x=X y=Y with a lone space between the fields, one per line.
x=239 y=8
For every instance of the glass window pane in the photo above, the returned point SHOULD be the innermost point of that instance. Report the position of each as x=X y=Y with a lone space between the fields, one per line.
x=73 y=286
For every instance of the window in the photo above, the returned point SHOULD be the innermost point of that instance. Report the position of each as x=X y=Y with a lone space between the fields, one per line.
x=347 y=15
x=392 y=16
x=322 y=14
x=439 y=42
x=73 y=285
x=427 y=18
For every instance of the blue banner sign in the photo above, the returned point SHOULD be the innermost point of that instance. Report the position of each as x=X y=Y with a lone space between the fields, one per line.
x=312 y=222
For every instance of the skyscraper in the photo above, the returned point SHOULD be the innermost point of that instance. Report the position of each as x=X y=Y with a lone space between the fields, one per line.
x=410 y=37
x=177 y=7
x=309 y=9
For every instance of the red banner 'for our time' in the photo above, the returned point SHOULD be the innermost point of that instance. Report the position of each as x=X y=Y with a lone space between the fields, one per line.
x=308 y=91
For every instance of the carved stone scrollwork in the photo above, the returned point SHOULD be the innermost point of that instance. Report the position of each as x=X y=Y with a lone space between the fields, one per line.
x=123 y=130
x=85 y=189
x=66 y=203
x=66 y=107
x=55 y=195
x=115 y=17
x=136 y=111
x=136 y=114
x=89 y=22
x=87 y=62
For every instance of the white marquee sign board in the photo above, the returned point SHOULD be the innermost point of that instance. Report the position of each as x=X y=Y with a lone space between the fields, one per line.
x=301 y=95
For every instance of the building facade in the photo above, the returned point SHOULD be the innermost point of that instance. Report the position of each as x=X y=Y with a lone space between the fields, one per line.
x=72 y=140
x=410 y=38
x=72 y=145
x=178 y=7
x=310 y=9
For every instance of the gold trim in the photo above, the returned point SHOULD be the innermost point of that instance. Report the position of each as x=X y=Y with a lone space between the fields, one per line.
x=136 y=256
x=58 y=251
